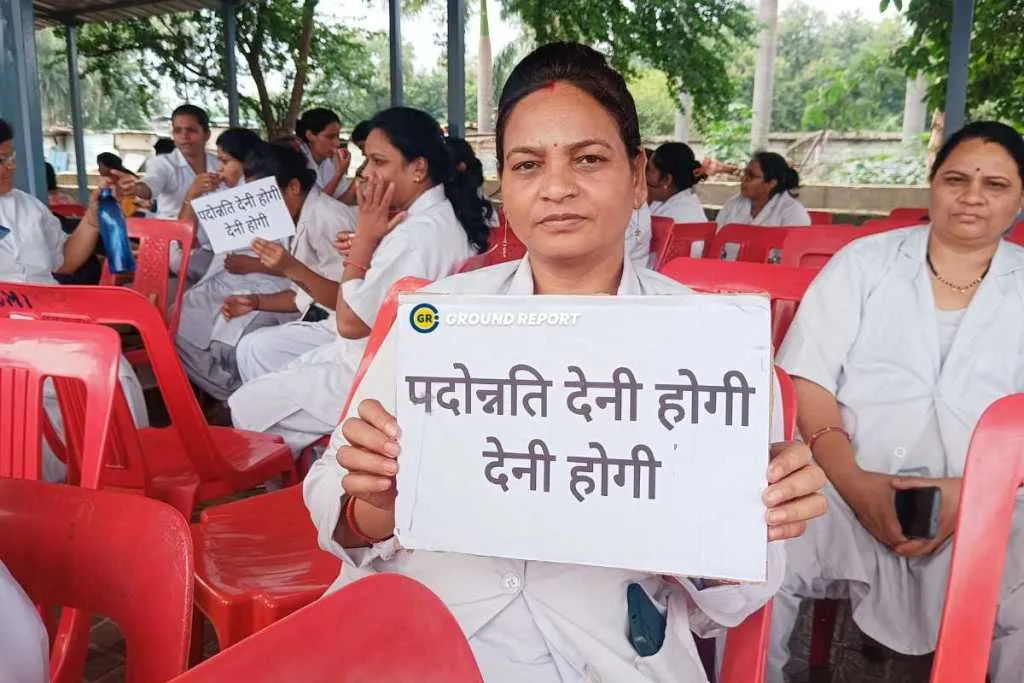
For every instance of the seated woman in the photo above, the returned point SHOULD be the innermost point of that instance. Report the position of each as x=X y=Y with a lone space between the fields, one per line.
x=672 y=173
x=899 y=345
x=274 y=285
x=466 y=162
x=319 y=134
x=572 y=173
x=439 y=225
x=33 y=248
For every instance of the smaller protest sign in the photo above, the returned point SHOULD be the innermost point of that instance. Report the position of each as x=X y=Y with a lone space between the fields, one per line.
x=233 y=218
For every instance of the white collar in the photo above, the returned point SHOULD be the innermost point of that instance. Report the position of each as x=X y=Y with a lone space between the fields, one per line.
x=522 y=279
x=428 y=200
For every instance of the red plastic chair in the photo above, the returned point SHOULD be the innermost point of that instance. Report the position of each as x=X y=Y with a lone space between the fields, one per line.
x=882 y=224
x=30 y=352
x=812 y=247
x=384 y=627
x=257 y=560
x=821 y=217
x=677 y=240
x=97 y=552
x=152 y=269
x=182 y=463
x=918 y=216
x=1017 y=234
x=68 y=210
x=786 y=285
x=756 y=242
x=509 y=246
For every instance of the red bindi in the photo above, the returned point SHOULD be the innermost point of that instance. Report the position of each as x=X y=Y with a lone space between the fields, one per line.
x=550 y=85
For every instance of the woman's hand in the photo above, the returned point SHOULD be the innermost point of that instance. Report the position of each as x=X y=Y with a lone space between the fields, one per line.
x=276 y=258
x=371 y=456
x=343 y=243
x=950 y=504
x=342 y=160
x=872 y=498
x=242 y=264
x=237 y=305
x=374 y=203
x=794 y=494
x=204 y=183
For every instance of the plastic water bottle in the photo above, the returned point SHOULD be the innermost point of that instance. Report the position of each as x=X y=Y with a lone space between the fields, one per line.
x=114 y=234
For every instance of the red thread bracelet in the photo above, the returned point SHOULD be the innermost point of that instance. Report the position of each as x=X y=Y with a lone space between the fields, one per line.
x=363 y=268
x=350 y=520
x=826 y=430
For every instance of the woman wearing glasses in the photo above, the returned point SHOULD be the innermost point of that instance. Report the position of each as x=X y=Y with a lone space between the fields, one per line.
x=766 y=195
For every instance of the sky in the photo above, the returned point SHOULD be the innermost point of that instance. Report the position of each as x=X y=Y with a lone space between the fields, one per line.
x=421 y=32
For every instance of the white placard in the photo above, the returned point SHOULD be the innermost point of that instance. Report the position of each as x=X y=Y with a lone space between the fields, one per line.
x=673 y=391
x=233 y=218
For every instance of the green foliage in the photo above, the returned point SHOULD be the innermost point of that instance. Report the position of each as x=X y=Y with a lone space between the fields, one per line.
x=904 y=168
x=728 y=139
x=996 y=69
x=692 y=42
x=653 y=104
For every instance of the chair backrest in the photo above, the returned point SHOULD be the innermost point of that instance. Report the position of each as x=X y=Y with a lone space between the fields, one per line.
x=1017 y=234
x=679 y=239
x=820 y=217
x=784 y=284
x=992 y=478
x=746 y=645
x=919 y=216
x=30 y=352
x=126 y=557
x=68 y=210
x=152 y=264
x=812 y=247
x=123 y=306
x=756 y=242
x=385 y=627
x=882 y=224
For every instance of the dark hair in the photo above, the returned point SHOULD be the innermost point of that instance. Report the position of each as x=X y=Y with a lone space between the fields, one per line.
x=314 y=121
x=360 y=132
x=775 y=167
x=990 y=131
x=51 y=178
x=284 y=163
x=416 y=135
x=581 y=67
x=110 y=160
x=677 y=159
x=163 y=146
x=466 y=163
x=238 y=142
x=198 y=113
x=6 y=132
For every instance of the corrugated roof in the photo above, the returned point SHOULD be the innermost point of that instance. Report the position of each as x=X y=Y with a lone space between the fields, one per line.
x=56 y=12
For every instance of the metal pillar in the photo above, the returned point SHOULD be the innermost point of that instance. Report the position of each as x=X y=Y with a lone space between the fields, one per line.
x=19 y=83
x=456 y=68
x=77 y=120
x=395 y=51
x=230 y=59
x=959 y=57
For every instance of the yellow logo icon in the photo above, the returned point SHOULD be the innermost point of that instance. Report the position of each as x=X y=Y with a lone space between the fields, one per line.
x=424 y=318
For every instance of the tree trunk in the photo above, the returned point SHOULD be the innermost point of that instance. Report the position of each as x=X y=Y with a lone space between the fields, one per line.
x=301 y=64
x=684 y=111
x=915 y=109
x=484 y=76
x=768 y=14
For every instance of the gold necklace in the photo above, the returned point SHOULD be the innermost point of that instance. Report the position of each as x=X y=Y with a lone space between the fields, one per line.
x=960 y=289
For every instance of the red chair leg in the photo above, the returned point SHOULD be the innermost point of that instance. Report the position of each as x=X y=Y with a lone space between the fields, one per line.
x=823 y=626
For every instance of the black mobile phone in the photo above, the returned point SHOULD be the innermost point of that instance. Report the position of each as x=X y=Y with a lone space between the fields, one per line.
x=918 y=511
x=646 y=623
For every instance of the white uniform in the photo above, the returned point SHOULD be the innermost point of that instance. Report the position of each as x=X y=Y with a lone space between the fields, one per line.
x=782 y=210
x=30 y=252
x=271 y=348
x=536 y=621
x=169 y=176
x=912 y=383
x=325 y=171
x=303 y=401
x=638 y=237
x=683 y=207
x=207 y=342
x=24 y=645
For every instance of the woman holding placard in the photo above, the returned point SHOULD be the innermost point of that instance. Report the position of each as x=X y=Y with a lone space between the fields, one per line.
x=268 y=284
x=572 y=172
x=439 y=223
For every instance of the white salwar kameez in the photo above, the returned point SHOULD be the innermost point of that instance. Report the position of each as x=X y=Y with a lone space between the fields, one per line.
x=30 y=253
x=683 y=207
x=782 y=210
x=302 y=401
x=912 y=383
x=539 y=621
x=24 y=645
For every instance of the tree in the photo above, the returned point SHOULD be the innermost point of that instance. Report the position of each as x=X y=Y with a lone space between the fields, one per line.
x=996 y=70
x=278 y=40
x=690 y=41
x=653 y=103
